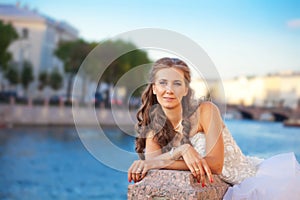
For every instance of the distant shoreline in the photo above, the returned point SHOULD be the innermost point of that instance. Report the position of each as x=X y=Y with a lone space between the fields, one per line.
x=24 y=115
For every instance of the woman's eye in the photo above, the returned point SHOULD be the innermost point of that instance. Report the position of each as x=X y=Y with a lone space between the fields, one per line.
x=177 y=83
x=163 y=83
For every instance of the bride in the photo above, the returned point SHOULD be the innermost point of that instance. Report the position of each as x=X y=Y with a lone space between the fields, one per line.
x=177 y=132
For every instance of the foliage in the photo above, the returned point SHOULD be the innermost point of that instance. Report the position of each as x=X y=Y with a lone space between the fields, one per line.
x=12 y=75
x=26 y=74
x=125 y=62
x=72 y=54
x=55 y=80
x=8 y=35
x=43 y=80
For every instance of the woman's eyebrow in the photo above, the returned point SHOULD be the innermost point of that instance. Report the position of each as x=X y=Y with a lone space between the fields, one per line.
x=162 y=79
x=176 y=80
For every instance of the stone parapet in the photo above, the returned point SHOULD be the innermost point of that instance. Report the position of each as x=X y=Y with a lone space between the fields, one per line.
x=174 y=184
x=11 y=115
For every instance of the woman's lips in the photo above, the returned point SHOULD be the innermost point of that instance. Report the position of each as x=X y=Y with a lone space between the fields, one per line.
x=169 y=98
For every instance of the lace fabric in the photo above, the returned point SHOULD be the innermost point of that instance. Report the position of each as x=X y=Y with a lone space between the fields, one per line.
x=237 y=166
x=277 y=177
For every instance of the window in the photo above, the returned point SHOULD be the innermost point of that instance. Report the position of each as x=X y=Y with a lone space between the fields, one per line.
x=25 y=33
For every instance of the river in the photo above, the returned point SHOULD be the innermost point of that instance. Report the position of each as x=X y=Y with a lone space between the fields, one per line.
x=52 y=162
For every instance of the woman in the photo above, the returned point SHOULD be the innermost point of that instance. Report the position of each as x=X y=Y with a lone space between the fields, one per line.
x=177 y=132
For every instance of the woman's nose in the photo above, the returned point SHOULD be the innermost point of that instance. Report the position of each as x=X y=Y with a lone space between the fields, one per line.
x=169 y=89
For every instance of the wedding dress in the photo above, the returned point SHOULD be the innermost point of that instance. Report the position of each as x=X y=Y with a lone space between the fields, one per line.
x=252 y=178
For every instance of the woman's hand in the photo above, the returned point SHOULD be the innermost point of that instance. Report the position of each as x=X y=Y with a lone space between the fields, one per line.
x=138 y=170
x=197 y=165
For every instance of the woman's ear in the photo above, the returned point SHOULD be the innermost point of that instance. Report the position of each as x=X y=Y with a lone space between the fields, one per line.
x=153 y=89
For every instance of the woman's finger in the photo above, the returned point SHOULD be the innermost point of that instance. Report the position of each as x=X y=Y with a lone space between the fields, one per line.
x=207 y=170
x=191 y=168
x=130 y=177
x=130 y=173
x=137 y=177
x=198 y=172
x=202 y=175
x=138 y=171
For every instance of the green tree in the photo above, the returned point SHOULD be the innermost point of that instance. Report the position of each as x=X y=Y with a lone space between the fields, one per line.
x=8 y=35
x=26 y=74
x=43 y=80
x=103 y=59
x=125 y=62
x=72 y=54
x=134 y=58
x=12 y=75
x=55 y=80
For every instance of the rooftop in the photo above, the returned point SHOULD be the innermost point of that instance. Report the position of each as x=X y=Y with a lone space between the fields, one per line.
x=16 y=12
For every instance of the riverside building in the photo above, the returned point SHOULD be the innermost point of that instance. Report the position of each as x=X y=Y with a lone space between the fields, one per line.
x=39 y=36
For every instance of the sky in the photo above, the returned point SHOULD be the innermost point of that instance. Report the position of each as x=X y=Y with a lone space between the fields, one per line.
x=242 y=37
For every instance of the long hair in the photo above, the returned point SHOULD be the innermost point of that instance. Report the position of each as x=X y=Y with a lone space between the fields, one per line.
x=151 y=118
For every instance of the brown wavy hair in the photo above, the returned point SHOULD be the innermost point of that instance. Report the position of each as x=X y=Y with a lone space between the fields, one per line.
x=151 y=118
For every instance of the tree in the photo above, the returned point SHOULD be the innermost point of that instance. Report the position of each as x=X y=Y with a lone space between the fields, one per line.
x=8 y=35
x=43 y=80
x=125 y=62
x=55 y=80
x=12 y=75
x=113 y=59
x=26 y=74
x=134 y=58
x=72 y=54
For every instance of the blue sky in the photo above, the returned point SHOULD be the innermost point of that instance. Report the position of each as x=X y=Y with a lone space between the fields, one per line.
x=242 y=37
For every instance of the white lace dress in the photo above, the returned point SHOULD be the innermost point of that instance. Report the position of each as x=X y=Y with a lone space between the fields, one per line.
x=252 y=178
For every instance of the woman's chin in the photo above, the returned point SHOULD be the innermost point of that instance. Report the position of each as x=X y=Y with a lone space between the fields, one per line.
x=169 y=106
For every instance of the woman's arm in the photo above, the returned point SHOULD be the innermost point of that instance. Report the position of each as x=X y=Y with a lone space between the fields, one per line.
x=155 y=159
x=212 y=125
x=168 y=160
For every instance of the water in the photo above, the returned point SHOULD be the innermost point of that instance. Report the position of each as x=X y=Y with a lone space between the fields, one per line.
x=52 y=163
x=265 y=139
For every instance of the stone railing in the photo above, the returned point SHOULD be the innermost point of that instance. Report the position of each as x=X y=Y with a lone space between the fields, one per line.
x=11 y=115
x=173 y=184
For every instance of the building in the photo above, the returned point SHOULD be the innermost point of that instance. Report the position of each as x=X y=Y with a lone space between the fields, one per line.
x=39 y=36
x=273 y=90
x=244 y=91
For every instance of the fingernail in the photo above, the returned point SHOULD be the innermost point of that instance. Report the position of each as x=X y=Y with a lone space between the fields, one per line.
x=211 y=180
x=203 y=185
x=198 y=181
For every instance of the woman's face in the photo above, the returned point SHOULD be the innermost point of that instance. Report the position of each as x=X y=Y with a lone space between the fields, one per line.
x=169 y=87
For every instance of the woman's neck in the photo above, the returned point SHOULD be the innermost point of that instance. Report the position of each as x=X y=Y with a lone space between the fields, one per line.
x=174 y=115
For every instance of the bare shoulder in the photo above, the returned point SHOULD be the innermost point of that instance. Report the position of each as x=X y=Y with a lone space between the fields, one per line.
x=208 y=114
x=207 y=106
x=203 y=116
